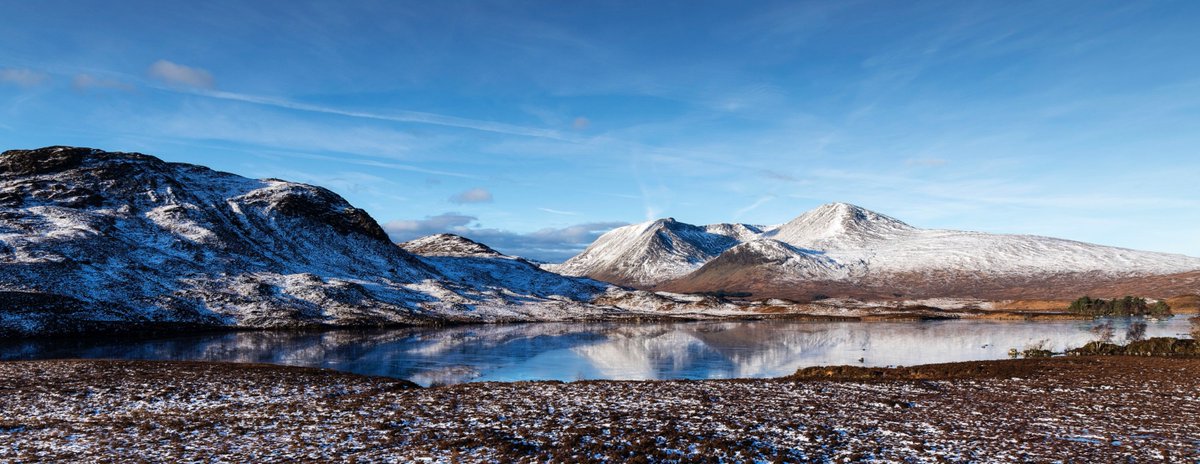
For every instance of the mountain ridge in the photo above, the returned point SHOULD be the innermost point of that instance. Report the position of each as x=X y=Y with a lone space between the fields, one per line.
x=95 y=241
x=848 y=250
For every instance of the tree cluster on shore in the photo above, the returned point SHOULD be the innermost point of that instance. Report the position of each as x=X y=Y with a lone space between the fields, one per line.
x=1136 y=343
x=1127 y=306
x=1158 y=346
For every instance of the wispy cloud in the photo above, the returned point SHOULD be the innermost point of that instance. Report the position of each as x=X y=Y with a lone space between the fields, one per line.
x=776 y=175
x=475 y=195
x=926 y=162
x=84 y=82
x=559 y=212
x=285 y=135
x=416 y=117
x=178 y=74
x=386 y=165
x=753 y=206
x=23 y=77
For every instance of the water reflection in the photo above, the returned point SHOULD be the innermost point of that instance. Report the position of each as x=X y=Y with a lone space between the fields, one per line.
x=573 y=351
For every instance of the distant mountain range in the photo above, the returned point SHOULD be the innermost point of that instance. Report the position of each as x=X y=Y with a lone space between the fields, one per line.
x=95 y=241
x=101 y=241
x=840 y=249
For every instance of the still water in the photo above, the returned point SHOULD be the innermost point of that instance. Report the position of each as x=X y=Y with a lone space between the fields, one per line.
x=576 y=351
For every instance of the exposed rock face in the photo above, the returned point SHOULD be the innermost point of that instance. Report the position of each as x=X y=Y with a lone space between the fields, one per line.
x=844 y=250
x=449 y=245
x=94 y=240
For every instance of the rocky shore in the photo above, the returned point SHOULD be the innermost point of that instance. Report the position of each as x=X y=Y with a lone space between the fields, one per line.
x=1102 y=409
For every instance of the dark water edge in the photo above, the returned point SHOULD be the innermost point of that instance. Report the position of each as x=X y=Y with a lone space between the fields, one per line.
x=141 y=330
x=593 y=350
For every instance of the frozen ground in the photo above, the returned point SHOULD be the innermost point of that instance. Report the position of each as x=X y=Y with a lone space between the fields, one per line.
x=1061 y=410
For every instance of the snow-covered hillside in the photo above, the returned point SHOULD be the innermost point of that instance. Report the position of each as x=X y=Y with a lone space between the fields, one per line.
x=843 y=243
x=92 y=240
x=850 y=234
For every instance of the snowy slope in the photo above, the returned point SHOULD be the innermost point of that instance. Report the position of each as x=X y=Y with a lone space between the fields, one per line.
x=785 y=259
x=92 y=240
x=846 y=244
x=848 y=233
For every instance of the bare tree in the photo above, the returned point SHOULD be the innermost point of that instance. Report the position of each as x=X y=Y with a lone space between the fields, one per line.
x=1136 y=331
x=1103 y=332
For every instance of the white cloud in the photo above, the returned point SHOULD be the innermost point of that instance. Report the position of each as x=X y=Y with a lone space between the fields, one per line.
x=82 y=82
x=178 y=74
x=475 y=195
x=22 y=77
x=405 y=230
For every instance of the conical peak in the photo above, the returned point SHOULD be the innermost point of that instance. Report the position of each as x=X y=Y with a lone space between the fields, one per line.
x=840 y=222
x=845 y=210
x=848 y=214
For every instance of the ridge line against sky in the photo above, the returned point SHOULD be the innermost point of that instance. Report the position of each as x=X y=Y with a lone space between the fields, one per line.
x=534 y=127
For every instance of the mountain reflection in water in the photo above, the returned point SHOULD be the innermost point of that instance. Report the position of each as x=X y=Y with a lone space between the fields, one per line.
x=575 y=351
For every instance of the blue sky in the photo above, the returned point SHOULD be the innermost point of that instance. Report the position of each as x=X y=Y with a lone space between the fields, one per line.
x=533 y=126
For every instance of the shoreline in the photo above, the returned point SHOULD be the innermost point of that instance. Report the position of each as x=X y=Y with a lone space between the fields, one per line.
x=1085 y=408
x=882 y=314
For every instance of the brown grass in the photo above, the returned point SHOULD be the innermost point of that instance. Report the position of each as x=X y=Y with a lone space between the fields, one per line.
x=1185 y=304
x=1002 y=369
x=1032 y=305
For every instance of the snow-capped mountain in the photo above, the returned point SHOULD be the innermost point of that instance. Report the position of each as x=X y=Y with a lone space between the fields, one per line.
x=838 y=226
x=651 y=252
x=92 y=240
x=840 y=248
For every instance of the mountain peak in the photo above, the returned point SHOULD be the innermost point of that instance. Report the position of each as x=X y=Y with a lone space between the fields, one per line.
x=448 y=245
x=662 y=223
x=48 y=160
x=644 y=252
x=849 y=212
x=841 y=222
